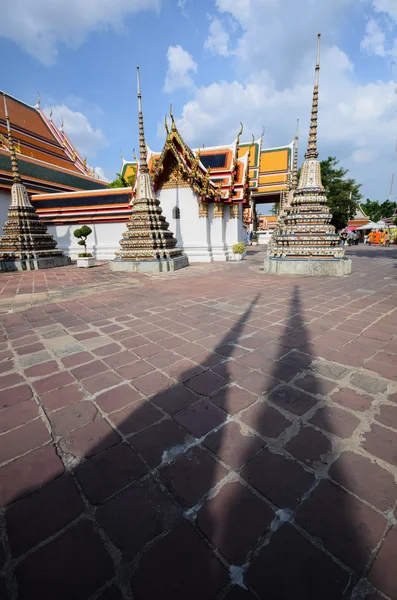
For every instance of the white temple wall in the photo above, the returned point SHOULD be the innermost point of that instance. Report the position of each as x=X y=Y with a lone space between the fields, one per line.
x=190 y=230
x=5 y=200
x=218 y=233
x=235 y=231
x=103 y=242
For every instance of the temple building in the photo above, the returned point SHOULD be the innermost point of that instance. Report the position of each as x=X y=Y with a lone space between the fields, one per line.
x=208 y=195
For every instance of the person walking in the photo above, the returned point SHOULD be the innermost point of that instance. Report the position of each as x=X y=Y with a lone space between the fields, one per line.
x=371 y=238
x=343 y=238
x=355 y=238
x=351 y=238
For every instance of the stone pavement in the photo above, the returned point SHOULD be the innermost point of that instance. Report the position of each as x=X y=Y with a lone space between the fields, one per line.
x=214 y=433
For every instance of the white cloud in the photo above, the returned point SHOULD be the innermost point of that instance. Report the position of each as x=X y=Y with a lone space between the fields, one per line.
x=181 y=4
x=100 y=173
x=39 y=26
x=374 y=40
x=357 y=120
x=218 y=39
x=181 y=66
x=388 y=7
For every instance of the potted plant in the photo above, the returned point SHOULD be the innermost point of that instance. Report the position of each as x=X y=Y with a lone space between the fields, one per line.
x=238 y=251
x=254 y=239
x=84 y=259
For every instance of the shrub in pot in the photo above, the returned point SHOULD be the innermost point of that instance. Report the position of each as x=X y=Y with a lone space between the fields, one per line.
x=84 y=259
x=238 y=251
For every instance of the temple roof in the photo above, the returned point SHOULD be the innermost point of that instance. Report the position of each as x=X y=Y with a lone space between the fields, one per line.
x=47 y=158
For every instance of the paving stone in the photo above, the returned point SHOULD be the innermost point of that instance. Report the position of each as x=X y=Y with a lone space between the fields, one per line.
x=61 y=397
x=18 y=414
x=250 y=516
x=29 y=349
x=309 y=445
x=134 y=370
x=159 y=441
x=90 y=440
x=135 y=417
x=164 y=359
x=349 y=398
x=281 y=370
x=381 y=442
x=72 y=417
x=147 y=350
x=200 y=418
x=366 y=479
x=77 y=359
x=253 y=360
x=136 y=516
x=73 y=565
x=42 y=514
x=311 y=573
x=7 y=381
x=231 y=370
x=202 y=576
x=174 y=398
x=152 y=383
x=233 y=399
x=299 y=359
x=281 y=480
x=120 y=359
x=100 y=382
x=369 y=384
x=387 y=416
x=26 y=474
x=383 y=571
x=348 y=528
x=206 y=383
x=109 y=472
x=315 y=385
x=192 y=475
x=30 y=360
x=292 y=400
x=265 y=419
x=382 y=368
x=257 y=383
x=53 y=382
x=335 y=420
x=331 y=370
x=117 y=398
x=87 y=370
x=24 y=439
x=233 y=446
x=67 y=349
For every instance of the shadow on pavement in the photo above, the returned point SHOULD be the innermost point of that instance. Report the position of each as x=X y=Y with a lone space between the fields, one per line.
x=226 y=497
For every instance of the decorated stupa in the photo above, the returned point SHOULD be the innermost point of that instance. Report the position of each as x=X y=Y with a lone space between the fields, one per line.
x=25 y=245
x=148 y=245
x=306 y=243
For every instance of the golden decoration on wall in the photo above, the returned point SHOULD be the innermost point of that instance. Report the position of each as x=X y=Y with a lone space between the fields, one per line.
x=203 y=210
x=218 y=210
x=234 y=211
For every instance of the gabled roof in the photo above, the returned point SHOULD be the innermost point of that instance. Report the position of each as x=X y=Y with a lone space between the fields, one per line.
x=47 y=157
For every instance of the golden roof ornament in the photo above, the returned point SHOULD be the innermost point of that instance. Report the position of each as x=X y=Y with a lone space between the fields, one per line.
x=51 y=112
x=38 y=100
x=62 y=124
x=143 y=167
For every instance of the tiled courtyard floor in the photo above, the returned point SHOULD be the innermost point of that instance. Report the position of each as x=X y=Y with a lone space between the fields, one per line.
x=210 y=434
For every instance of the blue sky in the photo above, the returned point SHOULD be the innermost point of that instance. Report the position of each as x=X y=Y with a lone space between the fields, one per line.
x=219 y=62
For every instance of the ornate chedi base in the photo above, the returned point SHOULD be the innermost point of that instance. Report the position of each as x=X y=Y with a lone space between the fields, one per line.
x=150 y=266
x=333 y=268
x=26 y=245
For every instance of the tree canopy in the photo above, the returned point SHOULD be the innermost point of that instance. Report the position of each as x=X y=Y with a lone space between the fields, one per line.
x=378 y=210
x=120 y=181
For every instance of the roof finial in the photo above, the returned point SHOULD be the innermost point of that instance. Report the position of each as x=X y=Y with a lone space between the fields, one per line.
x=312 y=145
x=14 y=162
x=142 y=143
x=240 y=133
x=121 y=155
x=38 y=100
x=51 y=112
x=294 y=180
x=62 y=124
x=166 y=125
x=173 y=126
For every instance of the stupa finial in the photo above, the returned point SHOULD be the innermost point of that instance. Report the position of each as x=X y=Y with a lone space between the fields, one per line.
x=38 y=100
x=294 y=181
x=312 y=145
x=14 y=161
x=142 y=143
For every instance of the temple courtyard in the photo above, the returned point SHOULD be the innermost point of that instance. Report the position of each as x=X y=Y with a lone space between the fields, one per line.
x=213 y=433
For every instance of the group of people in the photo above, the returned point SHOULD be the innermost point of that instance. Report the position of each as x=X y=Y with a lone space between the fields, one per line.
x=379 y=238
x=376 y=237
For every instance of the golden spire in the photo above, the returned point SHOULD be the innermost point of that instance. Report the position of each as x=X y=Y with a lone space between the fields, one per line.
x=14 y=162
x=239 y=133
x=312 y=145
x=142 y=143
x=166 y=125
x=294 y=180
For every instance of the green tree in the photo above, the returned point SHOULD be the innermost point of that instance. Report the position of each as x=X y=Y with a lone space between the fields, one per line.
x=377 y=211
x=275 y=209
x=120 y=181
x=343 y=194
x=82 y=234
